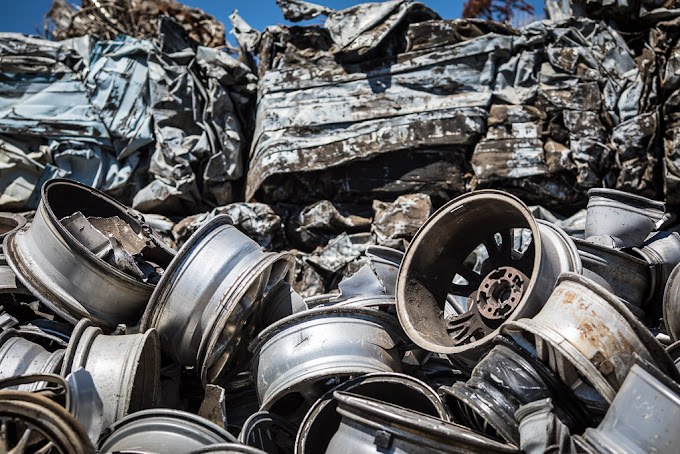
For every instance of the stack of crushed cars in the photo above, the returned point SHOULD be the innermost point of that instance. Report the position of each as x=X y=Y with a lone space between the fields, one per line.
x=386 y=233
x=494 y=332
x=310 y=137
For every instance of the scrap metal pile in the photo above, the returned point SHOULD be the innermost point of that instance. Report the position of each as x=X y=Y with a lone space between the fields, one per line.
x=328 y=248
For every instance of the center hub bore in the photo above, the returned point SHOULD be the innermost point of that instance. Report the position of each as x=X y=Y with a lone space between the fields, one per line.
x=500 y=292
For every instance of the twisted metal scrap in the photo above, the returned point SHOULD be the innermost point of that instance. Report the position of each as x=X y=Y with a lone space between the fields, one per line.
x=138 y=18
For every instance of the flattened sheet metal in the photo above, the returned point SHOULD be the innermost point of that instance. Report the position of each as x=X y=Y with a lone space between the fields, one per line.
x=315 y=116
x=315 y=113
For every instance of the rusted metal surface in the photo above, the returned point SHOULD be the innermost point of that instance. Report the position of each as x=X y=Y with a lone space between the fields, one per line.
x=540 y=133
x=583 y=328
x=451 y=303
x=292 y=173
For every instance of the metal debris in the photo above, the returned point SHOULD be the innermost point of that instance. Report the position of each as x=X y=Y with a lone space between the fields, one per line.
x=122 y=390
x=627 y=427
x=446 y=304
x=162 y=430
x=322 y=420
x=577 y=307
x=504 y=380
x=208 y=302
x=373 y=426
x=62 y=271
x=617 y=219
x=135 y=18
x=300 y=357
x=316 y=224
x=292 y=173
x=394 y=224
x=256 y=220
x=33 y=422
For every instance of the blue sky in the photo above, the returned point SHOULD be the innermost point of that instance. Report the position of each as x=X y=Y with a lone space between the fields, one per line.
x=23 y=15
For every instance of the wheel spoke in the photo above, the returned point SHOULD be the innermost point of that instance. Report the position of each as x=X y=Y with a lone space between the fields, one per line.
x=20 y=447
x=493 y=248
x=508 y=242
x=46 y=449
x=525 y=262
x=471 y=276
x=453 y=302
x=465 y=290
x=3 y=437
x=465 y=326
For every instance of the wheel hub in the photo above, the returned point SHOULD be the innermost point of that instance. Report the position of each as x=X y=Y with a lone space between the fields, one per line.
x=500 y=292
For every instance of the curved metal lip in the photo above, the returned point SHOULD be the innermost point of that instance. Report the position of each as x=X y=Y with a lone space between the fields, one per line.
x=586 y=248
x=227 y=448
x=449 y=207
x=7 y=334
x=52 y=362
x=478 y=402
x=40 y=328
x=658 y=265
x=53 y=378
x=544 y=406
x=6 y=218
x=605 y=197
x=653 y=346
x=275 y=392
x=49 y=415
x=32 y=276
x=673 y=351
x=574 y=356
x=565 y=241
x=259 y=417
x=310 y=419
x=213 y=364
x=384 y=253
x=150 y=336
x=72 y=242
x=671 y=296
x=583 y=246
x=484 y=410
x=590 y=373
x=27 y=275
x=76 y=335
x=265 y=417
x=224 y=312
x=188 y=419
x=321 y=312
x=406 y=423
x=168 y=281
x=367 y=301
